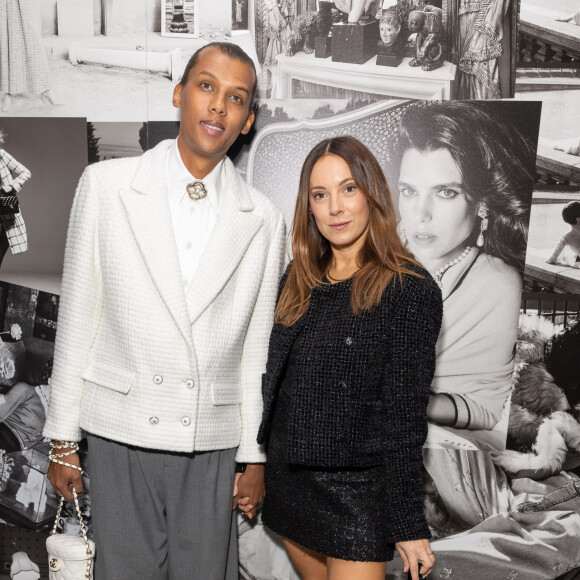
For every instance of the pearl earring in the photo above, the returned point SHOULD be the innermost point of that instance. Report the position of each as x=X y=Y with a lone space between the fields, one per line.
x=483 y=212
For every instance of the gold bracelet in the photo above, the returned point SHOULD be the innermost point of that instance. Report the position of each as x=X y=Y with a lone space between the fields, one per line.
x=72 y=448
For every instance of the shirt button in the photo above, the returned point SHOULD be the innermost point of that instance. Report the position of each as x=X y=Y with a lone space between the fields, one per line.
x=342 y=386
x=153 y=420
x=186 y=421
x=157 y=379
x=189 y=383
x=348 y=341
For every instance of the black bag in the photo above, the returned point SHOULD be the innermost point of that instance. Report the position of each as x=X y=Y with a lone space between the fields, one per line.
x=8 y=203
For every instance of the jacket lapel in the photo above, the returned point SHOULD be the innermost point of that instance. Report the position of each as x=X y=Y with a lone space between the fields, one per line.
x=235 y=227
x=147 y=208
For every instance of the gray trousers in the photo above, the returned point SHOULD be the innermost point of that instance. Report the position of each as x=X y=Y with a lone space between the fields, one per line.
x=160 y=515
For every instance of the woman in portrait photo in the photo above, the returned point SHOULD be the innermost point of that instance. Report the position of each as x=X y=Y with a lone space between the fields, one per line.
x=350 y=362
x=23 y=62
x=465 y=187
x=13 y=175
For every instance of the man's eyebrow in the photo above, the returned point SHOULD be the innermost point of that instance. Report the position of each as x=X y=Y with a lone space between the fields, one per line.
x=211 y=75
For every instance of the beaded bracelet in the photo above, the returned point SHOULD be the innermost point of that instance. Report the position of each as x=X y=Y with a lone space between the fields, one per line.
x=72 y=448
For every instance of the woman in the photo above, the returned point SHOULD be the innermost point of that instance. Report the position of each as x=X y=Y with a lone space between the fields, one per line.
x=13 y=175
x=23 y=62
x=350 y=362
x=465 y=187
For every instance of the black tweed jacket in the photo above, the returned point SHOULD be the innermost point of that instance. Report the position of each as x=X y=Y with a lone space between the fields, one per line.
x=362 y=383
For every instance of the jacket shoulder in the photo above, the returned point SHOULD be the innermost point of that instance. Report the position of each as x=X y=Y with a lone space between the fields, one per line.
x=123 y=168
x=418 y=282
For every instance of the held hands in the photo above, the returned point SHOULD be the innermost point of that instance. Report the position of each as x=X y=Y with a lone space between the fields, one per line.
x=64 y=478
x=249 y=489
x=414 y=551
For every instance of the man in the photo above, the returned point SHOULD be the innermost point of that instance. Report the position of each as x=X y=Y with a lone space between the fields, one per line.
x=171 y=272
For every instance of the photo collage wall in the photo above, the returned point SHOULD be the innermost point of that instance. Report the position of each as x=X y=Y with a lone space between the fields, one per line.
x=494 y=86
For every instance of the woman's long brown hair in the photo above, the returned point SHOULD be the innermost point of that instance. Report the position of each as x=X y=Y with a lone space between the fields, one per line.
x=383 y=256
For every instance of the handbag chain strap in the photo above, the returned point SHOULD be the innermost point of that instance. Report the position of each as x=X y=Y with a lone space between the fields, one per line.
x=83 y=529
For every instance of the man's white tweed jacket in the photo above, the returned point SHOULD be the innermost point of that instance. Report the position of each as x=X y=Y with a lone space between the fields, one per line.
x=139 y=361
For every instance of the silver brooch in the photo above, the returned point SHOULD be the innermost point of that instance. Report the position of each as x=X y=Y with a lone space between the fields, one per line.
x=196 y=190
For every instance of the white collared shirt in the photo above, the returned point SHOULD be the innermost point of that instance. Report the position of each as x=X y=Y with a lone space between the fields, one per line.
x=193 y=220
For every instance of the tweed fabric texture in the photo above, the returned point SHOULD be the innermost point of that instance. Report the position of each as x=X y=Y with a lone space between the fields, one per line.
x=338 y=512
x=23 y=62
x=14 y=174
x=137 y=359
x=362 y=388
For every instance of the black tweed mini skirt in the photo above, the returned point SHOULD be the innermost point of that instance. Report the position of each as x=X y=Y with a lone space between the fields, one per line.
x=340 y=513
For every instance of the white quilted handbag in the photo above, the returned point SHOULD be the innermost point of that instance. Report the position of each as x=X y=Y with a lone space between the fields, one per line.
x=70 y=557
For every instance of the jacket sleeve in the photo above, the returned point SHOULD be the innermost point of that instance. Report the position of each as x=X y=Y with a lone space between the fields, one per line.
x=80 y=310
x=255 y=349
x=22 y=174
x=414 y=329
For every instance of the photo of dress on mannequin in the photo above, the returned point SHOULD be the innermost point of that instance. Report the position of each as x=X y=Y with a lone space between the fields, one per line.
x=23 y=62
x=13 y=175
x=464 y=202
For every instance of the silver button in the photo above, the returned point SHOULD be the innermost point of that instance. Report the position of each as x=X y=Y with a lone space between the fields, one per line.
x=189 y=383
x=348 y=340
x=153 y=420
x=186 y=421
x=157 y=379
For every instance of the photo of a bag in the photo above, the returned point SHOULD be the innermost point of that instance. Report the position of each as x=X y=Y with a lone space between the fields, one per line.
x=9 y=204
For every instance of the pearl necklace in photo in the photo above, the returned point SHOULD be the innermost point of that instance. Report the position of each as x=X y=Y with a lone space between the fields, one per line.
x=439 y=274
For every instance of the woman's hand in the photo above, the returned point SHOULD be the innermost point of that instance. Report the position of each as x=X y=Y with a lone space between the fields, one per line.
x=249 y=489
x=414 y=551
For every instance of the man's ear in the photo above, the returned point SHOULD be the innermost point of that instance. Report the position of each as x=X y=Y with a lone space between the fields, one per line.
x=177 y=95
x=248 y=123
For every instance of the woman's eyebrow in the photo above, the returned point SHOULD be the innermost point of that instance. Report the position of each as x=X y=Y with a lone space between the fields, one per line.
x=454 y=184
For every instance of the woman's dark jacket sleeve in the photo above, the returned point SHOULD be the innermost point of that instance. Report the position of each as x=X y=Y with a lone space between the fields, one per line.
x=407 y=379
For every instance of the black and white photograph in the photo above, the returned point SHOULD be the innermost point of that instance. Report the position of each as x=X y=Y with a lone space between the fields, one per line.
x=551 y=262
x=397 y=48
x=105 y=60
x=549 y=37
x=548 y=69
x=180 y=18
x=487 y=216
x=240 y=19
x=28 y=322
x=26 y=499
x=41 y=161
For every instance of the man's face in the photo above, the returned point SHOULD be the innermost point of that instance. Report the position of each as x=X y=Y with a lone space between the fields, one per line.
x=214 y=104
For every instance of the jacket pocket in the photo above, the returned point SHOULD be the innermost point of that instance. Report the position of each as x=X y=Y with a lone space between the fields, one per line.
x=109 y=376
x=226 y=393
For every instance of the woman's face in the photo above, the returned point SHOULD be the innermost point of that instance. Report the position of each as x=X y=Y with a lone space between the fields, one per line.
x=339 y=207
x=435 y=213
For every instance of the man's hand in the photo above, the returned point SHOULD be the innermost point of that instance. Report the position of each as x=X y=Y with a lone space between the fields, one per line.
x=249 y=489
x=414 y=551
x=64 y=478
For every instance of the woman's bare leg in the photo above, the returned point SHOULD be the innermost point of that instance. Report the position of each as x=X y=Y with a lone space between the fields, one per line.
x=346 y=570
x=310 y=564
